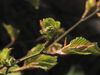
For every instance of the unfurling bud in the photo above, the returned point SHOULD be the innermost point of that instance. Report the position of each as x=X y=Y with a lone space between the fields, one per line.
x=88 y=6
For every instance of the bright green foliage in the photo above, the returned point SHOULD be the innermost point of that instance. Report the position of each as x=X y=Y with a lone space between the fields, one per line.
x=94 y=49
x=81 y=46
x=4 y=54
x=41 y=56
x=78 y=41
x=40 y=60
x=50 y=28
x=3 y=70
x=13 y=68
x=13 y=33
x=43 y=61
x=34 y=3
x=46 y=62
x=36 y=50
x=33 y=52
x=5 y=58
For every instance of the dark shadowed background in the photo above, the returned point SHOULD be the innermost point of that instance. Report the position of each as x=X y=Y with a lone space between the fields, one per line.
x=23 y=16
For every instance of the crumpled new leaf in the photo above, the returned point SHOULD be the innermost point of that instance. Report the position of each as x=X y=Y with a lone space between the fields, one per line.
x=50 y=28
x=81 y=46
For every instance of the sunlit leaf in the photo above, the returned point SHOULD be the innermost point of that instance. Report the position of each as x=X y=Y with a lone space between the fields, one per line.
x=81 y=46
x=4 y=69
x=94 y=49
x=5 y=58
x=4 y=55
x=79 y=41
x=33 y=52
x=12 y=68
x=36 y=50
x=40 y=61
x=43 y=61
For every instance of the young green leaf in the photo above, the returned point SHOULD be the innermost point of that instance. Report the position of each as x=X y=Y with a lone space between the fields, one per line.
x=12 y=68
x=81 y=46
x=42 y=61
x=4 y=55
x=94 y=49
x=36 y=50
x=5 y=58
